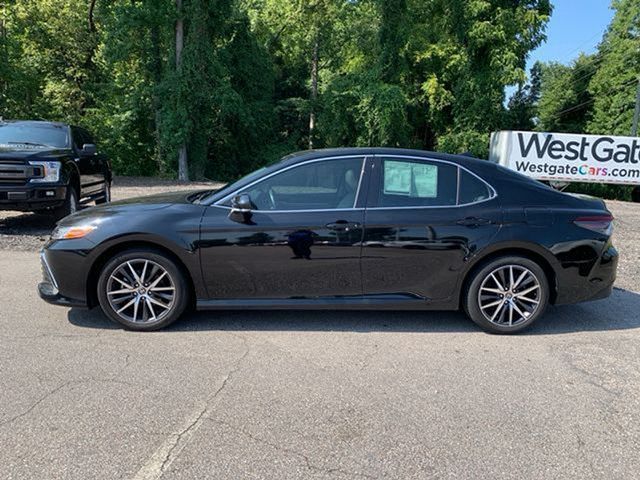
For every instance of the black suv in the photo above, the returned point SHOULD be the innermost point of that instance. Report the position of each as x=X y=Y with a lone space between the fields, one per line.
x=50 y=166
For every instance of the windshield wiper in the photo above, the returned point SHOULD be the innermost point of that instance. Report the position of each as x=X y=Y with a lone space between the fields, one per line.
x=29 y=143
x=199 y=196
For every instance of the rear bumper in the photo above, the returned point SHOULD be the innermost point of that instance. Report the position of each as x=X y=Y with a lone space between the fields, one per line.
x=30 y=197
x=574 y=287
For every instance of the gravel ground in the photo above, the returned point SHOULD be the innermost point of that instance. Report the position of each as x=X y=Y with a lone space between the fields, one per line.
x=626 y=238
x=28 y=232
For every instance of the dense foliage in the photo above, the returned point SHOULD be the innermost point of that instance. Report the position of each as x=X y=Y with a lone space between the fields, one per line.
x=258 y=78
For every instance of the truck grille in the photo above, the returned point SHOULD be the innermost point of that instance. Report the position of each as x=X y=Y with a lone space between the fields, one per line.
x=14 y=174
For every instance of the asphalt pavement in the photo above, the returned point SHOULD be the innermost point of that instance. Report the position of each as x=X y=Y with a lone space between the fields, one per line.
x=297 y=395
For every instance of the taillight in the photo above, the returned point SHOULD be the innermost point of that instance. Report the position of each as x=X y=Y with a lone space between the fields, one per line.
x=597 y=223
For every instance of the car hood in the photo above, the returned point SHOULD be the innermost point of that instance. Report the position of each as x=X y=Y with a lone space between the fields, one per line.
x=27 y=154
x=130 y=206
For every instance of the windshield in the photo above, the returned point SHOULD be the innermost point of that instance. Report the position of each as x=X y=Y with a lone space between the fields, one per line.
x=33 y=135
x=223 y=192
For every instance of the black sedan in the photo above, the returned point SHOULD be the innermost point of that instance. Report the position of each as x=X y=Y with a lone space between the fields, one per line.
x=372 y=228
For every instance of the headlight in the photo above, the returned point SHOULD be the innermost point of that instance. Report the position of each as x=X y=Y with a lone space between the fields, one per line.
x=50 y=171
x=74 y=231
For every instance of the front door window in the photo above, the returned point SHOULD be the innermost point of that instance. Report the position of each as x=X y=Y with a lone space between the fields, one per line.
x=321 y=185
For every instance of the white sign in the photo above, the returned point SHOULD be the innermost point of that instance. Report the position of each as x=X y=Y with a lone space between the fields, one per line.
x=568 y=157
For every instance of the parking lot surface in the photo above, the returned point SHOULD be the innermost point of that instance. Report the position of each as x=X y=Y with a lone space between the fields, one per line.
x=335 y=395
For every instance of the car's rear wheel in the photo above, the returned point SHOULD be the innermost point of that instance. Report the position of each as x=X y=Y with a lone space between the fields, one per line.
x=507 y=294
x=142 y=290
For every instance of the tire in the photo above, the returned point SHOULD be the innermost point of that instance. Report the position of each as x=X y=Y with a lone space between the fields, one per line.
x=140 y=308
x=107 y=195
x=635 y=194
x=497 y=310
x=70 y=205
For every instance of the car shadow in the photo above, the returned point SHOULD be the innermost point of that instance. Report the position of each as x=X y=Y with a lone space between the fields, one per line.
x=619 y=312
x=28 y=224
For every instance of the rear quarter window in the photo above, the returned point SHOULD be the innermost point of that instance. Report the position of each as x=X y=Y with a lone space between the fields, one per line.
x=472 y=189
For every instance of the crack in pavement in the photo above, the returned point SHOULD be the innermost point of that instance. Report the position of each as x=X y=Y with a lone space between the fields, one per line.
x=35 y=404
x=307 y=461
x=109 y=380
x=173 y=445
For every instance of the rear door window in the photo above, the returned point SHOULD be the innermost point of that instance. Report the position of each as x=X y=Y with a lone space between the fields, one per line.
x=417 y=183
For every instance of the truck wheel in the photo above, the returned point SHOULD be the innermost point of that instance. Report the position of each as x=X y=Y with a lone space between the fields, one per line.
x=70 y=205
x=635 y=194
x=106 y=198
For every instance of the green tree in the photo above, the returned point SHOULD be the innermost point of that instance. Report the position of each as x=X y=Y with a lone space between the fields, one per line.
x=257 y=78
x=565 y=101
x=468 y=55
x=614 y=84
x=522 y=106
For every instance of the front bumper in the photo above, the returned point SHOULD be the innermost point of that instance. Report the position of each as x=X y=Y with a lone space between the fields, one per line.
x=48 y=288
x=32 y=196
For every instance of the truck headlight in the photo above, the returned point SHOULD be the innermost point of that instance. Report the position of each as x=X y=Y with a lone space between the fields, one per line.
x=49 y=171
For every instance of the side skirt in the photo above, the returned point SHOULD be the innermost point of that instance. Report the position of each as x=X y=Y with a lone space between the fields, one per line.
x=360 y=302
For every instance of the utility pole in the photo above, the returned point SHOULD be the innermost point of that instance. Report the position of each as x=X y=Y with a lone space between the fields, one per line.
x=636 y=115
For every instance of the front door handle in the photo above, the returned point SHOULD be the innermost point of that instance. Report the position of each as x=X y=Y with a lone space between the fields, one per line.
x=343 y=226
x=473 y=222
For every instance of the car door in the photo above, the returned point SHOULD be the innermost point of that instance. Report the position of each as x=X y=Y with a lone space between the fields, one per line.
x=421 y=228
x=302 y=238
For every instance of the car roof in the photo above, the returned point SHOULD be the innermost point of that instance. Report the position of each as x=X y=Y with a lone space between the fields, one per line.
x=304 y=156
x=36 y=122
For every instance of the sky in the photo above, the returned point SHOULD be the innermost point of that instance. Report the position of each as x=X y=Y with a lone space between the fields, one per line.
x=575 y=26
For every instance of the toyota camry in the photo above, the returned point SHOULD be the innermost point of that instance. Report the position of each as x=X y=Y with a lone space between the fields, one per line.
x=373 y=228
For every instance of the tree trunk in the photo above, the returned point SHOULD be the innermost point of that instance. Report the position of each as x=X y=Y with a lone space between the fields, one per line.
x=183 y=164
x=314 y=92
x=636 y=113
x=4 y=82
x=156 y=72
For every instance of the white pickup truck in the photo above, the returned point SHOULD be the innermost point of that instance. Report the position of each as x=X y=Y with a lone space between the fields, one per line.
x=562 y=158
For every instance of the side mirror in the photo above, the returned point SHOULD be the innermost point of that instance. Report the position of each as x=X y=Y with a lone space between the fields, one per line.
x=88 y=149
x=241 y=207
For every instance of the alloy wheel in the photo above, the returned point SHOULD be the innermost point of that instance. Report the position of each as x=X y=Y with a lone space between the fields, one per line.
x=509 y=295
x=141 y=291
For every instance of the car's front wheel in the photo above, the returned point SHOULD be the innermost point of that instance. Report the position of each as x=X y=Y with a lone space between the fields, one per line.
x=142 y=290
x=507 y=294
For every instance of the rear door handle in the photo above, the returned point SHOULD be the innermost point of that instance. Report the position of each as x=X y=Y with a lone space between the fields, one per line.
x=343 y=226
x=473 y=222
